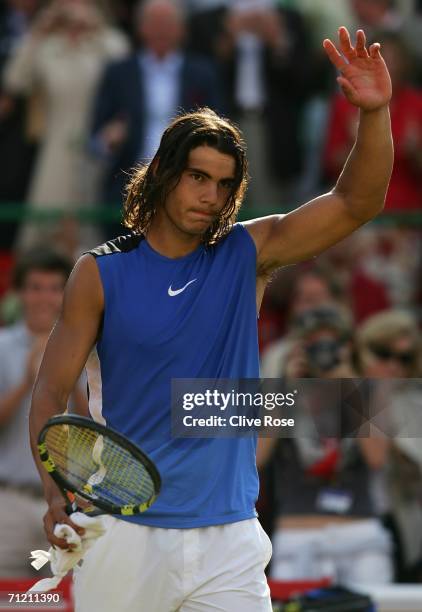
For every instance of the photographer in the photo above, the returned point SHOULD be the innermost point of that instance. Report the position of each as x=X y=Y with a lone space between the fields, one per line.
x=322 y=346
x=326 y=523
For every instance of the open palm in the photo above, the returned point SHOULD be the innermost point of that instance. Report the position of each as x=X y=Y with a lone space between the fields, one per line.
x=364 y=78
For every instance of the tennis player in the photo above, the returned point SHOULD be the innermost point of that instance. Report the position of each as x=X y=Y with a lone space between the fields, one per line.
x=178 y=298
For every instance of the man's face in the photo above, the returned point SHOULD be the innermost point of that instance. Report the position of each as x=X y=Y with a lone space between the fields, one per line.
x=202 y=192
x=161 y=29
x=41 y=296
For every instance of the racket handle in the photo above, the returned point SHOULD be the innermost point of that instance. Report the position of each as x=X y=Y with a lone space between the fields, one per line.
x=71 y=505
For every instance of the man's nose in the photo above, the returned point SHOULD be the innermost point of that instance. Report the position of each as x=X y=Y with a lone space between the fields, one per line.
x=210 y=193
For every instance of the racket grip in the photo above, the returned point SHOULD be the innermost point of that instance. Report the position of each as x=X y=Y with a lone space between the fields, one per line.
x=71 y=505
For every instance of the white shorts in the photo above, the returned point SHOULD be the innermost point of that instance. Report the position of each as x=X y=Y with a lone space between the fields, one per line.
x=134 y=568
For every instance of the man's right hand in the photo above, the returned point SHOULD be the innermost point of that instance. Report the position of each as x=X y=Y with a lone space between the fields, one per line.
x=56 y=513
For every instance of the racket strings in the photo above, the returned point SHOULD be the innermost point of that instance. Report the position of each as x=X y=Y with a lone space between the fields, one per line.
x=97 y=465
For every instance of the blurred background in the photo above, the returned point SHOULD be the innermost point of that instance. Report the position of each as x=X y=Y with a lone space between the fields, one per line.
x=86 y=89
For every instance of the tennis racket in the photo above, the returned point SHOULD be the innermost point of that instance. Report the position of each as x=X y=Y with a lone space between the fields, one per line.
x=93 y=463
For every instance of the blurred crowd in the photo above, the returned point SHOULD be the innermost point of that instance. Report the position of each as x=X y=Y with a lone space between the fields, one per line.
x=86 y=89
x=347 y=507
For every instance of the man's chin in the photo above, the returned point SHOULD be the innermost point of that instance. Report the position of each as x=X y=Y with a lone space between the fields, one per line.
x=198 y=229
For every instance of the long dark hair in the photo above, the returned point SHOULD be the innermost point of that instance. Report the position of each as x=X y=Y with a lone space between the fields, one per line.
x=150 y=184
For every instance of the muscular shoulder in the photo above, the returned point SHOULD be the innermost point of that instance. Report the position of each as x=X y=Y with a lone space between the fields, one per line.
x=86 y=281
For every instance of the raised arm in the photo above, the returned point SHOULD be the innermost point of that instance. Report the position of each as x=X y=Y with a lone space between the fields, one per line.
x=360 y=191
x=65 y=355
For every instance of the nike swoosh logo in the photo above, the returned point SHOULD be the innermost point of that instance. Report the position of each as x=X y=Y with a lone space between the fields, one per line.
x=174 y=292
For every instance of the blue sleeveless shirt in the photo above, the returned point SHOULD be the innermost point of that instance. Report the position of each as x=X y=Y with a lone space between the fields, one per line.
x=153 y=332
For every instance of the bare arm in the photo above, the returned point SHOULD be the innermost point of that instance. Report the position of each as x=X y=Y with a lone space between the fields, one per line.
x=360 y=191
x=65 y=356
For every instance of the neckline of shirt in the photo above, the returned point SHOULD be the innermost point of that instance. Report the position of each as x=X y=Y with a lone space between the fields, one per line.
x=192 y=255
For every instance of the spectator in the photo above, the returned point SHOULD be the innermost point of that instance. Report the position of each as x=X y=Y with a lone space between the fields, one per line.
x=390 y=347
x=61 y=58
x=256 y=43
x=138 y=95
x=405 y=191
x=311 y=289
x=40 y=277
x=326 y=522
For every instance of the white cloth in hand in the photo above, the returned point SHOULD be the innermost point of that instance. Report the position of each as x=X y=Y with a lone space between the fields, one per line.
x=61 y=561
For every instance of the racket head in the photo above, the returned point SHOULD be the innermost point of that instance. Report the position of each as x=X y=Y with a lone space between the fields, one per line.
x=98 y=464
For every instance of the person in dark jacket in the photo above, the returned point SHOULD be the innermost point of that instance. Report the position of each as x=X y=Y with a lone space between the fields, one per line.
x=140 y=94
